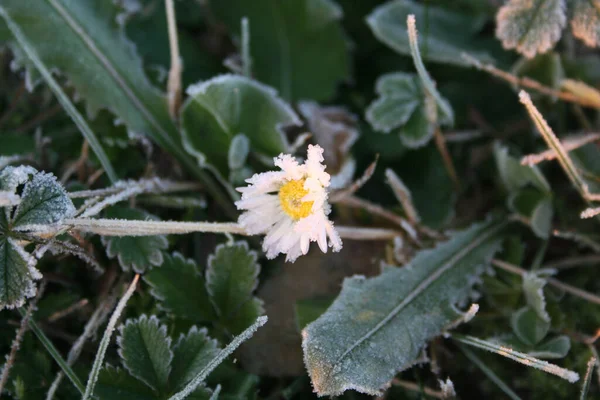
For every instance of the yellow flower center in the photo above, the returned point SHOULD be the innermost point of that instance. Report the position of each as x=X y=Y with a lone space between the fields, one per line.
x=290 y=197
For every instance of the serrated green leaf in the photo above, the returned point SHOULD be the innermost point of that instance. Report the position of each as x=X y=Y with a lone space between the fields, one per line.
x=530 y=26
x=554 y=348
x=586 y=21
x=528 y=326
x=448 y=33
x=191 y=354
x=16 y=272
x=231 y=278
x=533 y=287
x=180 y=288
x=297 y=47
x=117 y=384
x=43 y=202
x=145 y=351
x=134 y=252
x=223 y=107
x=378 y=326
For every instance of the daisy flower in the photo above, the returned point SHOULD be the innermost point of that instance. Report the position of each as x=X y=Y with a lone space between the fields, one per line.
x=290 y=206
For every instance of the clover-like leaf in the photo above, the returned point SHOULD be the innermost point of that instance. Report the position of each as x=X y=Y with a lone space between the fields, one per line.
x=528 y=326
x=191 y=354
x=531 y=26
x=43 y=202
x=134 y=252
x=449 y=33
x=231 y=278
x=585 y=23
x=223 y=107
x=554 y=348
x=180 y=288
x=529 y=192
x=296 y=46
x=377 y=326
x=145 y=350
x=401 y=105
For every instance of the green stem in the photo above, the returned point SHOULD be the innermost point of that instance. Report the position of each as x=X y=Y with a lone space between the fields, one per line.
x=54 y=353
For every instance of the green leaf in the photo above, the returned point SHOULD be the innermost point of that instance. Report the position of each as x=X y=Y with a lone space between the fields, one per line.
x=530 y=194
x=144 y=348
x=554 y=348
x=97 y=59
x=297 y=46
x=43 y=202
x=221 y=108
x=533 y=287
x=180 y=288
x=516 y=176
x=16 y=272
x=528 y=327
x=238 y=151
x=531 y=27
x=378 y=326
x=401 y=106
x=231 y=278
x=448 y=33
x=117 y=384
x=134 y=252
x=586 y=21
x=191 y=354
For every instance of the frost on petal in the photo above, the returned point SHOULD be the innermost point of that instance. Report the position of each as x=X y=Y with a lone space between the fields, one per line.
x=289 y=165
x=531 y=26
x=265 y=182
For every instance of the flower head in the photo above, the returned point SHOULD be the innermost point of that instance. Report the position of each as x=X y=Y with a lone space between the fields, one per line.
x=290 y=206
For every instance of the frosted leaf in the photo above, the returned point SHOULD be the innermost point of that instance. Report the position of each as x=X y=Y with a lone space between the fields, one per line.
x=17 y=273
x=231 y=278
x=239 y=148
x=533 y=287
x=586 y=21
x=145 y=350
x=43 y=202
x=379 y=326
x=528 y=326
x=530 y=26
x=402 y=106
x=134 y=252
x=191 y=354
x=12 y=177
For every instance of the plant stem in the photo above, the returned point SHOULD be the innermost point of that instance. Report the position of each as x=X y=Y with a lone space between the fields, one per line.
x=174 y=83
x=54 y=353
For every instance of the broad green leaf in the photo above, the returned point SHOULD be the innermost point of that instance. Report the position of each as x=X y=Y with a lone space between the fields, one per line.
x=377 y=326
x=557 y=347
x=231 y=278
x=180 y=288
x=16 y=272
x=297 y=46
x=448 y=33
x=586 y=21
x=145 y=351
x=134 y=252
x=531 y=26
x=43 y=202
x=238 y=151
x=221 y=108
x=99 y=62
x=533 y=287
x=528 y=326
x=117 y=384
x=191 y=354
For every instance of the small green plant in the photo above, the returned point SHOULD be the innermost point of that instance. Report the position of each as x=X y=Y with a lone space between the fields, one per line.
x=289 y=199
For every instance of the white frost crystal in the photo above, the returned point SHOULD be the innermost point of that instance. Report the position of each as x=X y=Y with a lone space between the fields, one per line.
x=290 y=206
